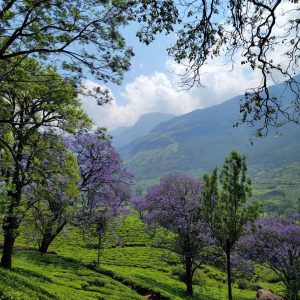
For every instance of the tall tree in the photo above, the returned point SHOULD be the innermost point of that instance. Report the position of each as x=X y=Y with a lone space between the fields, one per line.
x=176 y=205
x=275 y=243
x=104 y=182
x=77 y=35
x=27 y=108
x=262 y=34
x=104 y=211
x=53 y=195
x=225 y=207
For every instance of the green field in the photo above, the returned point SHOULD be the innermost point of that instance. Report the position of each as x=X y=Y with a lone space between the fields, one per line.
x=130 y=268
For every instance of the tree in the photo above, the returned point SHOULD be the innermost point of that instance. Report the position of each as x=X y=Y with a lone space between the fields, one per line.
x=104 y=211
x=225 y=207
x=175 y=204
x=27 y=108
x=54 y=193
x=77 y=35
x=104 y=183
x=275 y=242
x=264 y=34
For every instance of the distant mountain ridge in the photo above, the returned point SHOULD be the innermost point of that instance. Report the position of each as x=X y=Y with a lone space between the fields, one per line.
x=197 y=141
x=125 y=135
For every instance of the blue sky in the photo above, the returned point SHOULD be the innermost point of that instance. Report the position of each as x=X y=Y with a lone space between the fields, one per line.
x=147 y=60
x=152 y=84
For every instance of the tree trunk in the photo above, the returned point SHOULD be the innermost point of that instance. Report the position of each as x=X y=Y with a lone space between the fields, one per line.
x=11 y=223
x=10 y=226
x=189 y=277
x=49 y=236
x=9 y=240
x=293 y=291
x=46 y=241
x=99 y=250
x=228 y=270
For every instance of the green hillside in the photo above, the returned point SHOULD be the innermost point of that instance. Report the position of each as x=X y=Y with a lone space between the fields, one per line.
x=131 y=268
x=125 y=135
x=198 y=141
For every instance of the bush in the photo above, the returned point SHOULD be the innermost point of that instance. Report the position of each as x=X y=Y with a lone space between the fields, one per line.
x=243 y=284
x=178 y=272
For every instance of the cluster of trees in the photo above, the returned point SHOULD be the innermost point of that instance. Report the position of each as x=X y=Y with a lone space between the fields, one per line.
x=212 y=215
x=53 y=171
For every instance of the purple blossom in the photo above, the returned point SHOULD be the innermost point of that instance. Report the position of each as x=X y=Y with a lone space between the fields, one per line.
x=275 y=242
x=104 y=183
x=176 y=205
x=98 y=161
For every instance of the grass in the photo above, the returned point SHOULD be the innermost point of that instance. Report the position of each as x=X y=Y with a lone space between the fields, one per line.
x=38 y=276
x=129 y=269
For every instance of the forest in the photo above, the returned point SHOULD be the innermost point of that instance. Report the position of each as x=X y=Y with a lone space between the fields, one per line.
x=176 y=213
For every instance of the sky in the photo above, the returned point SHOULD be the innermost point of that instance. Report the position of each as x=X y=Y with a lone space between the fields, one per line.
x=153 y=85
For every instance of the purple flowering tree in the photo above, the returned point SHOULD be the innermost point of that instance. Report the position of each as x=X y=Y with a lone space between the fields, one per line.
x=104 y=182
x=175 y=204
x=105 y=211
x=275 y=243
x=53 y=195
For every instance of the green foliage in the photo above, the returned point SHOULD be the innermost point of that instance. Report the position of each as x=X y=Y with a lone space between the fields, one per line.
x=227 y=212
x=42 y=96
x=79 y=35
x=225 y=207
x=33 y=101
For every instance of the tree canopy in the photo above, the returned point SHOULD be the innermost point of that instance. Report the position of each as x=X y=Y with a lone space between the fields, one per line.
x=77 y=35
x=29 y=107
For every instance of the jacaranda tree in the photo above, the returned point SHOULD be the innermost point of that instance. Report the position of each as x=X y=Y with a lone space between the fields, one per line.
x=104 y=182
x=176 y=205
x=275 y=243
x=54 y=193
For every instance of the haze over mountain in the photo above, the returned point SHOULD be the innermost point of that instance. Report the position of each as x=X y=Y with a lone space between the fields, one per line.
x=125 y=135
x=197 y=141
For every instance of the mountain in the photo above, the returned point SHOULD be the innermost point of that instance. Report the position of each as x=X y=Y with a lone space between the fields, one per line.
x=198 y=141
x=125 y=135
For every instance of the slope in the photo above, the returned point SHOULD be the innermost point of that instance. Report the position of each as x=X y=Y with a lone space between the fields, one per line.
x=197 y=141
x=133 y=269
x=125 y=135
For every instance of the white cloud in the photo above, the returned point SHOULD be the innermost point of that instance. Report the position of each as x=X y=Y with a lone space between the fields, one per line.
x=161 y=92
x=220 y=81
x=144 y=95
